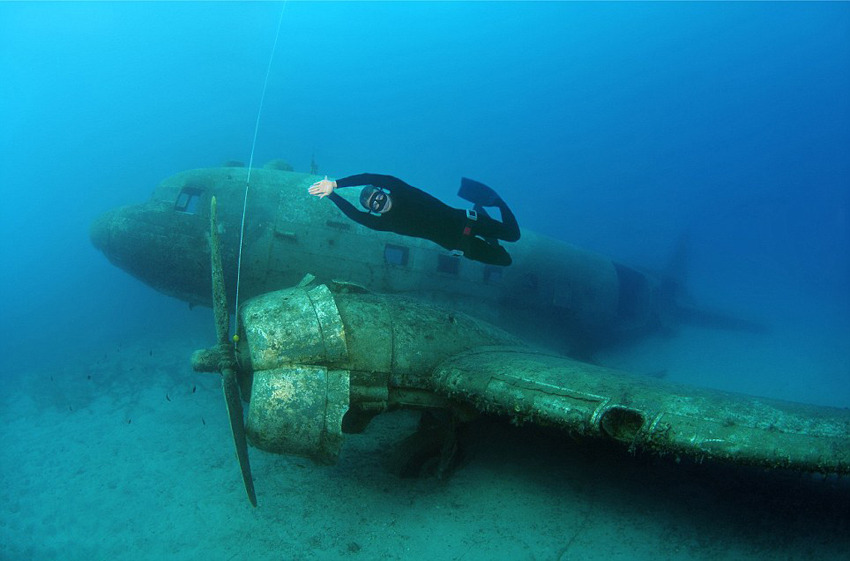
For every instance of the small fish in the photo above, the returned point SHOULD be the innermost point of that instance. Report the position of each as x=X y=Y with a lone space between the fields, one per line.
x=168 y=398
x=194 y=388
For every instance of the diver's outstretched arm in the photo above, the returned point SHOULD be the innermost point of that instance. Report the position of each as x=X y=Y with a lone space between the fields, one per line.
x=325 y=187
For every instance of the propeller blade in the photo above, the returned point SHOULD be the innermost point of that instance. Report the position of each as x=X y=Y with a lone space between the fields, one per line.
x=234 y=411
x=219 y=295
x=229 y=383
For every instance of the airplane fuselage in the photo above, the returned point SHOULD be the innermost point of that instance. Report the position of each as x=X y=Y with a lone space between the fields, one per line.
x=575 y=296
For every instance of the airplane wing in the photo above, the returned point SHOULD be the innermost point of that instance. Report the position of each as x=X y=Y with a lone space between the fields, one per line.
x=649 y=414
x=321 y=361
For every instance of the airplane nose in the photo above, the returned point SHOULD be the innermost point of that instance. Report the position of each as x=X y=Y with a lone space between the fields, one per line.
x=112 y=234
x=157 y=246
x=100 y=232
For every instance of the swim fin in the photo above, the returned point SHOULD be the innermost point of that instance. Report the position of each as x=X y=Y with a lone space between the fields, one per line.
x=477 y=193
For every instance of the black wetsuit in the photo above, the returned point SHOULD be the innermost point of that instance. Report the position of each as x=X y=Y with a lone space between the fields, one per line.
x=414 y=212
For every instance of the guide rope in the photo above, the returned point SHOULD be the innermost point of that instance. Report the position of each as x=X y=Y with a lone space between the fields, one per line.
x=251 y=158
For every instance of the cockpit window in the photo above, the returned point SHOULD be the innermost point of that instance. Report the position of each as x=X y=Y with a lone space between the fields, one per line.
x=188 y=200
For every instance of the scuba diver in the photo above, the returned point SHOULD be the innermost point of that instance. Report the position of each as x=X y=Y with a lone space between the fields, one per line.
x=395 y=206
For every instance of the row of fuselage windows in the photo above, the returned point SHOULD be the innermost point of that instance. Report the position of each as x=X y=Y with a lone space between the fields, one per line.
x=399 y=256
x=189 y=199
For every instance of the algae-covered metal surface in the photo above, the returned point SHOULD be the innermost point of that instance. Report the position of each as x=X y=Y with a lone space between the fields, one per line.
x=312 y=356
x=292 y=327
x=320 y=356
x=298 y=410
x=649 y=414
x=571 y=295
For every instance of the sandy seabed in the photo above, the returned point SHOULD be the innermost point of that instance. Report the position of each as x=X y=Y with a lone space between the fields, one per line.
x=125 y=453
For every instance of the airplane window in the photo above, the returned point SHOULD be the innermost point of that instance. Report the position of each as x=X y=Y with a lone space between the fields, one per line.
x=396 y=255
x=448 y=264
x=492 y=275
x=188 y=200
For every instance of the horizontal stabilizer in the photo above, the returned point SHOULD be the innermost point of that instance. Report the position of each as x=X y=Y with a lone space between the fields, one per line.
x=715 y=319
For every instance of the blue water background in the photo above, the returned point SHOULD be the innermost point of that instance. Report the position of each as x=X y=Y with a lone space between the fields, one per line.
x=618 y=127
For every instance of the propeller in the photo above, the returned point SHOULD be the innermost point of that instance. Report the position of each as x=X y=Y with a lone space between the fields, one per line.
x=227 y=362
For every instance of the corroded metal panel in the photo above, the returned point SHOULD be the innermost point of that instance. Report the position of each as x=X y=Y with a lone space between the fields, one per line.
x=288 y=233
x=405 y=338
x=298 y=410
x=327 y=314
x=647 y=413
x=410 y=354
x=293 y=326
x=369 y=332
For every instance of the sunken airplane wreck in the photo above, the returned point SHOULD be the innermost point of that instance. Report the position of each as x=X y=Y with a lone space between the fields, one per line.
x=384 y=322
x=581 y=298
